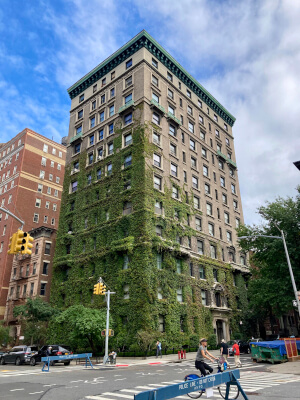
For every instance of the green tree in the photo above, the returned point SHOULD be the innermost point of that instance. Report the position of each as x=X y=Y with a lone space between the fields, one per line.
x=270 y=289
x=78 y=325
x=4 y=334
x=34 y=316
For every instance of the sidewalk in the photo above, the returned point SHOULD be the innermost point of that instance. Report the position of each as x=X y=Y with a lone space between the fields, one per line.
x=282 y=368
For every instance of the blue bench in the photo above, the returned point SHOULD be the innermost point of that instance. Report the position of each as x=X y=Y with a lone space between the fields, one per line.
x=47 y=360
x=205 y=382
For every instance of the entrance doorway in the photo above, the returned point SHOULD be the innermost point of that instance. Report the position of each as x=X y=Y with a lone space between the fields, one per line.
x=220 y=334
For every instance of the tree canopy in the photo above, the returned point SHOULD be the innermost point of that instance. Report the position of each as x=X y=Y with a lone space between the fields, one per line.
x=270 y=289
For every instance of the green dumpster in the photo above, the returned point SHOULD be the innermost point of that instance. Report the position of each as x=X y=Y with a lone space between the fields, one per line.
x=261 y=351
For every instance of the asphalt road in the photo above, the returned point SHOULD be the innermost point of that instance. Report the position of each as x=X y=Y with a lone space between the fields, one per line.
x=120 y=383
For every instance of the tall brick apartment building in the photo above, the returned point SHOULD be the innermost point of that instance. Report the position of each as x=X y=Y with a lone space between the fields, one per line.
x=151 y=199
x=31 y=180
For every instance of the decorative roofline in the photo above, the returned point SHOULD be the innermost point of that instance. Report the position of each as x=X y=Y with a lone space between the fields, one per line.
x=143 y=39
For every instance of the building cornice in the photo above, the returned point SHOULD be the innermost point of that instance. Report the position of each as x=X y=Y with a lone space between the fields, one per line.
x=143 y=39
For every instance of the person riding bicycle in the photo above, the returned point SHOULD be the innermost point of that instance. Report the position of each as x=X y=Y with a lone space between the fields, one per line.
x=203 y=354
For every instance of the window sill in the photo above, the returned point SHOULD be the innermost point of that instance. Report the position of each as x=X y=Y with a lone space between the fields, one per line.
x=174 y=156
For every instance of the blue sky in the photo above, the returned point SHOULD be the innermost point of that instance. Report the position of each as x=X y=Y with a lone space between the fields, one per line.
x=246 y=54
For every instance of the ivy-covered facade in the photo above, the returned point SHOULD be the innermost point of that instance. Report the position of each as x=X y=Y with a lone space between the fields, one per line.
x=151 y=201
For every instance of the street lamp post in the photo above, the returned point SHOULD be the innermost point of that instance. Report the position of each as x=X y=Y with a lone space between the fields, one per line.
x=288 y=261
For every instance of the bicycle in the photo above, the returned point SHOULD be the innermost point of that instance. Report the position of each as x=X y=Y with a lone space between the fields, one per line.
x=234 y=391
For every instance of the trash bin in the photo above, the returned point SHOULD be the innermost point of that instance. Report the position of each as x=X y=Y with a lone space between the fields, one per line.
x=268 y=351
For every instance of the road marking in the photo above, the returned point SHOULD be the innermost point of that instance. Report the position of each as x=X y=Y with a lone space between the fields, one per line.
x=37 y=392
x=80 y=380
x=126 y=396
x=53 y=384
x=14 y=390
x=96 y=398
x=130 y=391
x=120 y=379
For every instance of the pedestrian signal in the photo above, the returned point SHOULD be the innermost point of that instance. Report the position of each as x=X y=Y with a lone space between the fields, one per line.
x=12 y=244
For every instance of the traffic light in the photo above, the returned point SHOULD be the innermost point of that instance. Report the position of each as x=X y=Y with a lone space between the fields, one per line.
x=12 y=244
x=20 y=242
x=97 y=288
x=102 y=288
x=28 y=243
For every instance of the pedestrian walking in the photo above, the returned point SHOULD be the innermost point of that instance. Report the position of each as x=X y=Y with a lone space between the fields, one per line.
x=158 y=349
x=224 y=349
x=203 y=354
x=236 y=352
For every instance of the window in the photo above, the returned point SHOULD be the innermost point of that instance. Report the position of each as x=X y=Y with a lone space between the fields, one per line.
x=156 y=118
x=190 y=110
x=221 y=164
x=175 y=192
x=42 y=174
x=35 y=217
x=235 y=204
x=103 y=81
x=192 y=145
x=125 y=262
x=9 y=199
x=95 y=88
x=208 y=209
x=157 y=160
x=227 y=142
x=74 y=186
x=233 y=190
x=77 y=148
x=59 y=167
x=127 y=208
x=170 y=94
x=213 y=251
x=158 y=207
x=159 y=261
x=45 y=268
x=198 y=223
x=109 y=169
x=179 y=295
x=50 y=177
x=38 y=203
x=94 y=105
x=90 y=158
x=111 y=129
x=204 y=152
x=204 y=297
x=174 y=169
x=201 y=120
x=128 y=161
x=128 y=63
x=47 y=248
x=89 y=179
x=243 y=259
x=195 y=182
x=231 y=172
x=101 y=116
x=112 y=92
x=196 y=202
x=101 y=134
x=193 y=162
x=172 y=130
x=205 y=170
x=111 y=110
x=157 y=182
x=201 y=272
x=224 y=198
x=231 y=256
x=81 y=98
x=158 y=230
x=128 y=98
x=191 y=127
x=225 y=127
x=173 y=149
x=45 y=148
x=161 y=323
x=237 y=223
x=171 y=110
x=169 y=77
x=98 y=173
x=229 y=155
x=43 y=289
x=226 y=217
x=92 y=140
x=185 y=176
x=43 y=163
x=156 y=138
x=217 y=133
x=155 y=97
x=154 y=63
x=102 y=101
x=154 y=80
x=229 y=236
x=200 y=247
x=211 y=229
x=128 y=119
x=222 y=181
x=207 y=188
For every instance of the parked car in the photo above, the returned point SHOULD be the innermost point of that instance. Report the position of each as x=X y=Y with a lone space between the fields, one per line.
x=57 y=350
x=244 y=347
x=18 y=355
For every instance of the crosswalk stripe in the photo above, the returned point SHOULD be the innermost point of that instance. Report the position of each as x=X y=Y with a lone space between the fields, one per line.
x=125 y=396
x=131 y=391
x=96 y=398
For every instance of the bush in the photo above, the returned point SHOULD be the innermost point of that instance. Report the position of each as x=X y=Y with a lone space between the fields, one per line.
x=212 y=342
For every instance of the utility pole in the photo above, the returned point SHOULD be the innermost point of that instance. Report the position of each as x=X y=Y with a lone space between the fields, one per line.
x=13 y=215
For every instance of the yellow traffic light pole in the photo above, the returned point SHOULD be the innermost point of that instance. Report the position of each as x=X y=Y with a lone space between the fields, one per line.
x=13 y=215
x=100 y=288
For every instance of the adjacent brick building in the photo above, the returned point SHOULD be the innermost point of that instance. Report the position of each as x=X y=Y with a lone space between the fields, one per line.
x=151 y=198
x=31 y=180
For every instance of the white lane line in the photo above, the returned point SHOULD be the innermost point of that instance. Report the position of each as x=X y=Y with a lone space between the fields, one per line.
x=156 y=384
x=144 y=387
x=125 y=396
x=14 y=390
x=96 y=398
x=80 y=380
x=130 y=391
x=120 y=379
x=53 y=384
x=37 y=392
